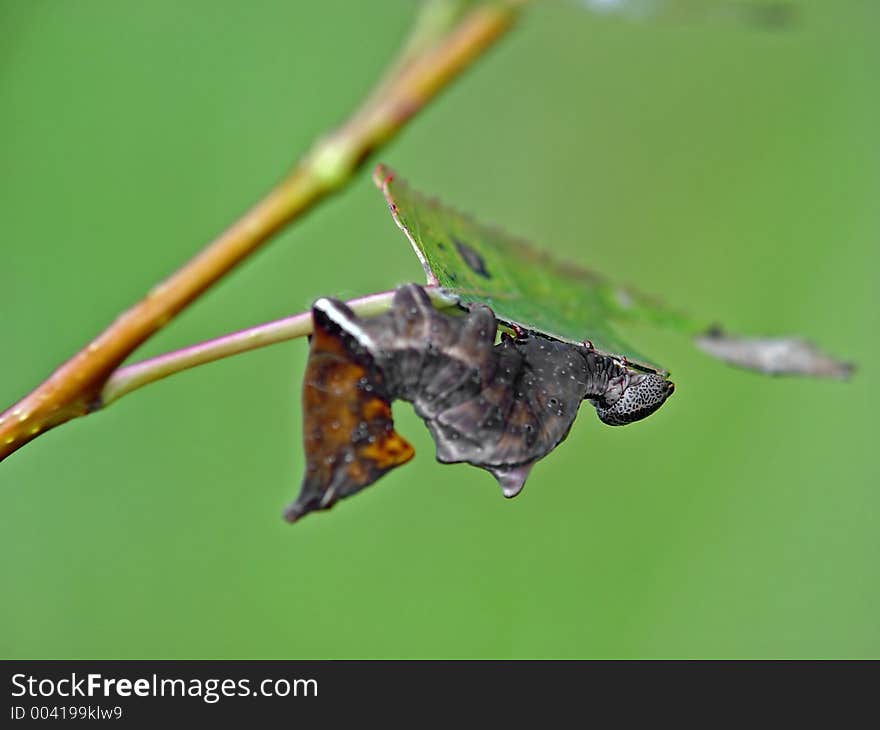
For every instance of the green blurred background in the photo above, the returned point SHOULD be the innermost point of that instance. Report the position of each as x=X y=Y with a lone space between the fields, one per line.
x=731 y=167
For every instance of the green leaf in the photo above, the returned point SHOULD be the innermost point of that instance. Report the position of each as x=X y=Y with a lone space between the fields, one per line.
x=529 y=288
x=523 y=285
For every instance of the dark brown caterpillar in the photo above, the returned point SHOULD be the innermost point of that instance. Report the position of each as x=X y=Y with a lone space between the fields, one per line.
x=499 y=406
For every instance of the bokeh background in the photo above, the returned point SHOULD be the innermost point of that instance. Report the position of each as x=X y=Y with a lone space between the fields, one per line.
x=723 y=157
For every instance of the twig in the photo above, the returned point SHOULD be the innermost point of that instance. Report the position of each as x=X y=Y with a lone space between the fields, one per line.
x=74 y=388
x=130 y=378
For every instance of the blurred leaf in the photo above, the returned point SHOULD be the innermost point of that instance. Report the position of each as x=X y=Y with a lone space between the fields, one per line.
x=436 y=18
x=529 y=288
x=433 y=21
x=773 y=355
x=762 y=15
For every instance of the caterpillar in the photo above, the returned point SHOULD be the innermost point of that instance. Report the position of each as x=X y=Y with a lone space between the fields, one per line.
x=500 y=406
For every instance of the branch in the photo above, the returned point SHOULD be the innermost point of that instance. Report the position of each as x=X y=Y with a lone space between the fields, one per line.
x=74 y=389
x=130 y=378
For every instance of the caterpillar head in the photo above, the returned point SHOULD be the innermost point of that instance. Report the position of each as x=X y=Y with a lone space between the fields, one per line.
x=631 y=397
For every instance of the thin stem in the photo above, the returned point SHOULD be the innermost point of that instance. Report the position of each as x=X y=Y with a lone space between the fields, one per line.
x=130 y=378
x=74 y=388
